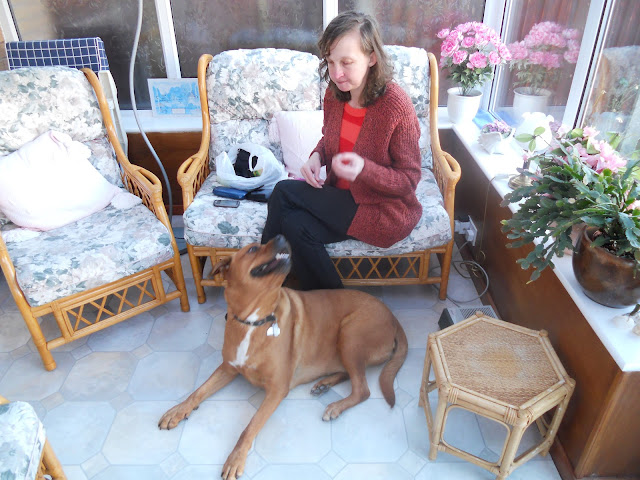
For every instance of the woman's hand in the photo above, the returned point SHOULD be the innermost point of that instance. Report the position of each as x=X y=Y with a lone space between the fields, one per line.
x=311 y=171
x=347 y=165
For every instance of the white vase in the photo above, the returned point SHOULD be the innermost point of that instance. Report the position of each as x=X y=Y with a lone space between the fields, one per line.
x=523 y=102
x=462 y=108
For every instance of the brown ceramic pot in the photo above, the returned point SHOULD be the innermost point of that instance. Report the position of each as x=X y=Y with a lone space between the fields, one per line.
x=605 y=278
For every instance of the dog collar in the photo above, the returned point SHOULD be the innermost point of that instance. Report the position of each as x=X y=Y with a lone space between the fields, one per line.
x=269 y=318
x=272 y=331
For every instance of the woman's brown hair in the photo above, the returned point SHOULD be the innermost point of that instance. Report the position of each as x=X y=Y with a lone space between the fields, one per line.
x=380 y=73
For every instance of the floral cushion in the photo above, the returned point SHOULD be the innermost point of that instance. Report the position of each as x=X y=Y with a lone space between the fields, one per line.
x=22 y=439
x=37 y=99
x=102 y=248
x=206 y=225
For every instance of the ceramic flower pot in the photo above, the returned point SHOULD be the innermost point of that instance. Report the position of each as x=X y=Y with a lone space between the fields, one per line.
x=462 y=108
x=605 y=278
x=494 y=142
x=523 y=102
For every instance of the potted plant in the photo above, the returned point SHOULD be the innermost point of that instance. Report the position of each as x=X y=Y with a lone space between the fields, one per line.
x=469 y=52
x=538 y=61
x=582 y=182
x=495 y=135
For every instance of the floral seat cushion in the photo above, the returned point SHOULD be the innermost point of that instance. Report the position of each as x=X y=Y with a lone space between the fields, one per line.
x=98 y=249
x=22 y=439
x=209 y=226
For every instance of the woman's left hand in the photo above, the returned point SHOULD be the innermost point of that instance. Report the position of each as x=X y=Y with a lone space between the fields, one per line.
x=347 y=165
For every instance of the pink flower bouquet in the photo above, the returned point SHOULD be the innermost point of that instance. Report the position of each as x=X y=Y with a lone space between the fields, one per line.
x=539 y=59
x=470 y=52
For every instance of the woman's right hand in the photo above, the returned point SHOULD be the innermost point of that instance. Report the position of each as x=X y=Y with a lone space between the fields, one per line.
x=311 y=171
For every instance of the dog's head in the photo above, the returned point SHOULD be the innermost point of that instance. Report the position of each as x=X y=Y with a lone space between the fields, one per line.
x=256 y=264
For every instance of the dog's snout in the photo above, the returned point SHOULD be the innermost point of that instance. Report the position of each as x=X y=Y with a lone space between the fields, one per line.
x=279 y=242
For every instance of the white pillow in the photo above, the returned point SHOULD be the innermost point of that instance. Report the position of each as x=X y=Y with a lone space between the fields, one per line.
x=300 y=132
x=49 y=182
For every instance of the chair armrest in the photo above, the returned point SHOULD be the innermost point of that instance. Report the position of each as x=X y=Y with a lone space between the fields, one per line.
x=139 y=181
x=445 y=168
x=195 y=169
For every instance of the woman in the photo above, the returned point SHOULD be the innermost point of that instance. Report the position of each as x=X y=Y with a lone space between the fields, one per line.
x=370 y=149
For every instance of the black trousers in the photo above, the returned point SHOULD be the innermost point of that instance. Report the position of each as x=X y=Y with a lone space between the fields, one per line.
x=309 y=218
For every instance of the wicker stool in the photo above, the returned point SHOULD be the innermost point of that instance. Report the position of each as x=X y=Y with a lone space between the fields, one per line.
x=501 y=371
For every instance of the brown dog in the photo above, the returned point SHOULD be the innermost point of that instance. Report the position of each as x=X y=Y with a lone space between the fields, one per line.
x=279 y=338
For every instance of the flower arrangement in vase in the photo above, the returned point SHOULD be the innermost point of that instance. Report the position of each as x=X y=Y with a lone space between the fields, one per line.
x=494 y=136
x=584 y=182
x=538 y=60
x=469 y=53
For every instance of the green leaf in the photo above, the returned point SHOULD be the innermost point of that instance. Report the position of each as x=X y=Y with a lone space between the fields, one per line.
x=524 y=137
x=539 y=131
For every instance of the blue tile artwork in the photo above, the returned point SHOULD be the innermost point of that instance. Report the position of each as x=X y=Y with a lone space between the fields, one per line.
x=74 y=52
x=174 y=96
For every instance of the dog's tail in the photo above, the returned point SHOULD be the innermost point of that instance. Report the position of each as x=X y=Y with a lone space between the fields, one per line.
x=390 y=370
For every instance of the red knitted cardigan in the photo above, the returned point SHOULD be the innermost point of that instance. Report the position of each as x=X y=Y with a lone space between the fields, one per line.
x=388 y=208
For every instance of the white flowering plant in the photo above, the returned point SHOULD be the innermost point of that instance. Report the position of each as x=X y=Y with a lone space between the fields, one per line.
x=470 y=52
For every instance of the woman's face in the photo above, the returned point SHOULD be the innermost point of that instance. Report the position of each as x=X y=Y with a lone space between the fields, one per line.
x=348 y=64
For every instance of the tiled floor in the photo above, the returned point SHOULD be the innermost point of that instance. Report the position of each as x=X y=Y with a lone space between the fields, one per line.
x=102 y=404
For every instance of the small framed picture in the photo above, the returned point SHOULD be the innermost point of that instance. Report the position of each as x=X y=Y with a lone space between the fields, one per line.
x=177 y=96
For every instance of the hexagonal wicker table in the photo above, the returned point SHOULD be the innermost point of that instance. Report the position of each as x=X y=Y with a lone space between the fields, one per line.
x=501 y=371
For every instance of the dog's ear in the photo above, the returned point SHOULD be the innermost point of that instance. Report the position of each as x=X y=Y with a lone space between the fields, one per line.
x=221 y=267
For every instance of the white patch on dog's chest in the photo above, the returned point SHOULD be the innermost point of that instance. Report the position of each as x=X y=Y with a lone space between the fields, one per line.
x=242 y=353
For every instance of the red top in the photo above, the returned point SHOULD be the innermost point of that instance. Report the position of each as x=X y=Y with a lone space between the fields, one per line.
x=352 y=119
x=385 y=189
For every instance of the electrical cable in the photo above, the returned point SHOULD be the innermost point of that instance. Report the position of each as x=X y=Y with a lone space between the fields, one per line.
x=135 y=114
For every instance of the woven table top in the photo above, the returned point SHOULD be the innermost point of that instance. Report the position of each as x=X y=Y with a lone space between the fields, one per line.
x=499 y=360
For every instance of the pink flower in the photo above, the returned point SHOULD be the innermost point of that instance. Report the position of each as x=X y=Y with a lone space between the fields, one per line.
x=590 y=132
x=444 y=33
x=478 y=60
x=459 y=57
x=571 y=56
x=550 y=60
x=504 y=52
x=537 y=58
x=494 y=58
x=468 y=42
x=448 y=48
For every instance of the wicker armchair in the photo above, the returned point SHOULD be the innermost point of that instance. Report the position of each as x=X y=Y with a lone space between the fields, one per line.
x=240 y=90
x=101 y=269
x=30 y=456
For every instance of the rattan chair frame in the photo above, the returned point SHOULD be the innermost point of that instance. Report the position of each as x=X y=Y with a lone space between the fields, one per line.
x=49 y=463
x=515 y=418
x=150 y=292
x=195 y=170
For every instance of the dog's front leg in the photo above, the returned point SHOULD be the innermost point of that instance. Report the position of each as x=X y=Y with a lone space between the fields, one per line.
x=218 y=379
x=234 y=466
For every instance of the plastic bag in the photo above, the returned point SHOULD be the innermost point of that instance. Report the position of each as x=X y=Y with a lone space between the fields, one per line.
x=271 y=171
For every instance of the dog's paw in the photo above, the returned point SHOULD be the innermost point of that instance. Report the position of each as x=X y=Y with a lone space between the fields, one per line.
x=234 y=466
x=174 y=416
x=332 y=412
x=319 y=388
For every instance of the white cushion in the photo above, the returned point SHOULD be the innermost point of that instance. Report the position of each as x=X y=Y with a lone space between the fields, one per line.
x=300 y=132
x=49 y=182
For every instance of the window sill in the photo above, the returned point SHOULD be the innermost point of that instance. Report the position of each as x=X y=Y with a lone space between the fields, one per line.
x=622 y=345
x=164 y=123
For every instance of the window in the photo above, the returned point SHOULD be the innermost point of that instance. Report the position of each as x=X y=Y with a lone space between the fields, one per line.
x=544 y=37
x=213 y=26
x=415 y=23
x=613 y=102
x=114 y=22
